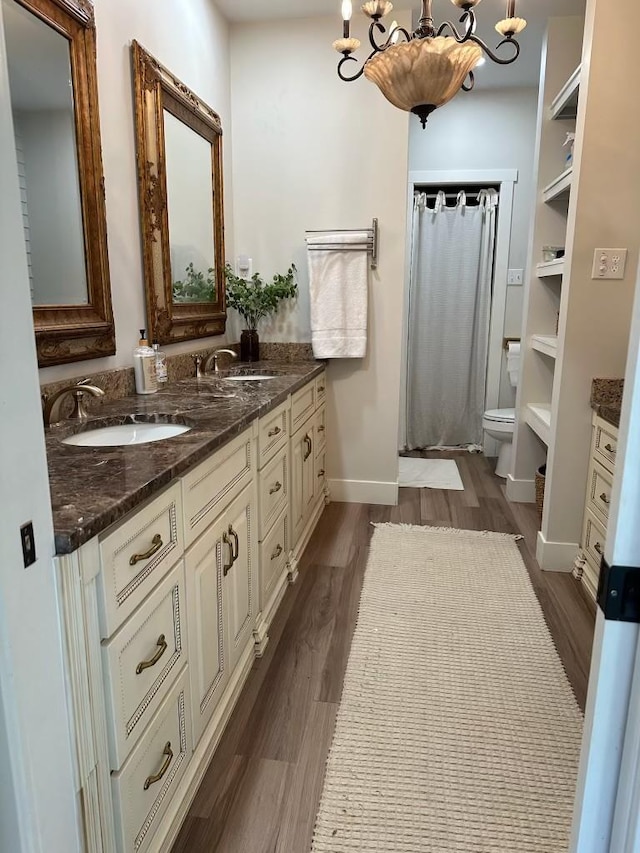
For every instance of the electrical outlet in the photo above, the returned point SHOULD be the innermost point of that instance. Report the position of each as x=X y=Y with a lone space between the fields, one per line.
x=244 y=266
x=515 y=277
x=609 y=263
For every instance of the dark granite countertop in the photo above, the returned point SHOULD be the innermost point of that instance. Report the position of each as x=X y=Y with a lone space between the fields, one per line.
x=92 y=487
x=606 y=399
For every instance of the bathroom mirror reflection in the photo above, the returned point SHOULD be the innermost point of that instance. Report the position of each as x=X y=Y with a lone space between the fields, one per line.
x=39 y=68
x=51 y=60
x=179 y=150
x=190 y=212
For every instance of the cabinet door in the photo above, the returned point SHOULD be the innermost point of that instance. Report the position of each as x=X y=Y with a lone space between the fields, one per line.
x=210 y=669
x=303 y=486
x=241 y=581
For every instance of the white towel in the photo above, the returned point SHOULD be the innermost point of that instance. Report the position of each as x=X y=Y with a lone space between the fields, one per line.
x=338 y=291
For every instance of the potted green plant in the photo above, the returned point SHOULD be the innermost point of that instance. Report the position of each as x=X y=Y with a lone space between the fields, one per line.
x=254 y=299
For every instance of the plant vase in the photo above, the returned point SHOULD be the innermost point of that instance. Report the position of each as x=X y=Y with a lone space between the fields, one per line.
x=249 y=345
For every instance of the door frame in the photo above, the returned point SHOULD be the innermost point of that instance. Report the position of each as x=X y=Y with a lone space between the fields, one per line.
x=506 y=179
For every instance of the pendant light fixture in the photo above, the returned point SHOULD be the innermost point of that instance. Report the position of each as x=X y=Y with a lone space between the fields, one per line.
x=420 y=71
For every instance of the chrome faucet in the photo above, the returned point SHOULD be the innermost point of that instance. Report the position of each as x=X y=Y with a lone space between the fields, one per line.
x=213 y=357
x=77 y=391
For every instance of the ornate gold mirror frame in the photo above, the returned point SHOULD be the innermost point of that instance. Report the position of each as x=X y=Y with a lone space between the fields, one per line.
x=76 y=332
x=157 y=90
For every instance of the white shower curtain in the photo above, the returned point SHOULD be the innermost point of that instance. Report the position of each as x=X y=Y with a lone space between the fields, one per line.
x=449 y=311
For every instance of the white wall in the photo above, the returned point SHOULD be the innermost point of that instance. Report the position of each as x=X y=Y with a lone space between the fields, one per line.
x=311 y=152
x=53 y=205
x=488 y=129
x=191 y=39
x=36 y=772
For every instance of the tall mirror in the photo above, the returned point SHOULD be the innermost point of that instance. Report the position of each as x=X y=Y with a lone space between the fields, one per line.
x=179 y=144
x=50 y=46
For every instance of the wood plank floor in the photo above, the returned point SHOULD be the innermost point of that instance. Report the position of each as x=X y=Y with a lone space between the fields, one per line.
x=261 y=791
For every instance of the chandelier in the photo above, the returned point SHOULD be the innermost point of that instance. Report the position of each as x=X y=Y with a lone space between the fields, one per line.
x=423 y=70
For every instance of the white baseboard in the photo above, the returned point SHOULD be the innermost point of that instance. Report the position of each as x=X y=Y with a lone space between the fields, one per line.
x=363 y=492
x=521 y=491
x=556 y=556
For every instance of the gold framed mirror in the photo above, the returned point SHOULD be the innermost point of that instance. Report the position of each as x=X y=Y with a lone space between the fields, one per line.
x=179 y=154
x=51 y=58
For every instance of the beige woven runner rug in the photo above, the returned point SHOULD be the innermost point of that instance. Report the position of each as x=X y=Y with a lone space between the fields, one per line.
x=457 y=729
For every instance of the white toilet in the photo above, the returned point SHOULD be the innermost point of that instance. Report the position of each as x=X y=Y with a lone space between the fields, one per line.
x=500 y=423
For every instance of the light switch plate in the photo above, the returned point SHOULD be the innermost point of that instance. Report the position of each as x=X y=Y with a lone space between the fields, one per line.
x=515 y=277
x=609 y=263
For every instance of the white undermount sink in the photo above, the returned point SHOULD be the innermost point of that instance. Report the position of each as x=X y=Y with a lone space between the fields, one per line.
x=251 y=377
x=125 y=434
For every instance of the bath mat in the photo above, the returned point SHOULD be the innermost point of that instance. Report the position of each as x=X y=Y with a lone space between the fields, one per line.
x=457 y=731
x=418 y=473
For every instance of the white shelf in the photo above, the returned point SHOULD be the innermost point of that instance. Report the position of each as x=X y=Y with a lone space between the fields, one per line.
x=550 y=268
x=565 y=103
x=538 y=417
x=547 y=344
x=560 y=186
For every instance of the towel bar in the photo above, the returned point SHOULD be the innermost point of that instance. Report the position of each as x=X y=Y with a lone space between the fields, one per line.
x=371 y=243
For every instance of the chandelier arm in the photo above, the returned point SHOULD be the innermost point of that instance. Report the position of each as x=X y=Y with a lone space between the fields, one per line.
x=467 y=87
x=348 y=58
x=375 y=25
x=468 y=19
x=493 y=55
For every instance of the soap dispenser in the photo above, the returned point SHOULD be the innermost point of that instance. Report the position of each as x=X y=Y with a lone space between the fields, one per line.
x=144 y=366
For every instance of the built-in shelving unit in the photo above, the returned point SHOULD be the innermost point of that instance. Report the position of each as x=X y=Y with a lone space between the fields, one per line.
x=538 y=416
x=549 y=268
x=559 y=187
x=592 y=318
x=565 y=104
x=546 y=344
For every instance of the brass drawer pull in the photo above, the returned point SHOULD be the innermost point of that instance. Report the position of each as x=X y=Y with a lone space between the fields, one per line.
x=226 y=568
x=237 y=541
x=156 y=544
x=320 y=388
x=321 y=428
x=147 y=664
x=609 y=448
x=309 y=444
x=277 y=552
x=604 y=498
x=321 y=473
x=598 y=548
x=274 y=431
x=168 y=752
x=275 y=488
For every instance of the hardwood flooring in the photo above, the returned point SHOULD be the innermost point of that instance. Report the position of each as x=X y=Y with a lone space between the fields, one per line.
x=261 y=791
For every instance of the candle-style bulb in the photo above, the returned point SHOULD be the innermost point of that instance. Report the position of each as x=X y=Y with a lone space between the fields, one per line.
x=394 y=32
x=347 y=10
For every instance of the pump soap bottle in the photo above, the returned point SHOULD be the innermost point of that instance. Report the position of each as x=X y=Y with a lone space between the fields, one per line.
x=144 y=367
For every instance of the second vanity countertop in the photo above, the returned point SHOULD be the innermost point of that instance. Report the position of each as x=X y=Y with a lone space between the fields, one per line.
x=92 y=487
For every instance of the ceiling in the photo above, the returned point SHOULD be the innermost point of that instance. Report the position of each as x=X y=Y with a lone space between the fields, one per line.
x=524 y=72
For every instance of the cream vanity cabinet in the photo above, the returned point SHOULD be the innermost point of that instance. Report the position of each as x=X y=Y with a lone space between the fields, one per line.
x=604 y=445
x=165 y=611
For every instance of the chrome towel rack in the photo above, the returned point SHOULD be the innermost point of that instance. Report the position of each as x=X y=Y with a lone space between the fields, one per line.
x=371 y=244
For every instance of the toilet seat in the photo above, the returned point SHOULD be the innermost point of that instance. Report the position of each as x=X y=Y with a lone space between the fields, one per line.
x=501 y=416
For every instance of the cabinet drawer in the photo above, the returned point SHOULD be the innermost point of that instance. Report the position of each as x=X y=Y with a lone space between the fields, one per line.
x=274 y=553
x=593 y=537
x=321 y=429
x=157 y=762
x=303 y=404
x=321 y=388
x=273 y=432
x=605 y=444
x=216 y=481
x=600 y=486
x=273 y=489
x=141 y=661
x=136 y=555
